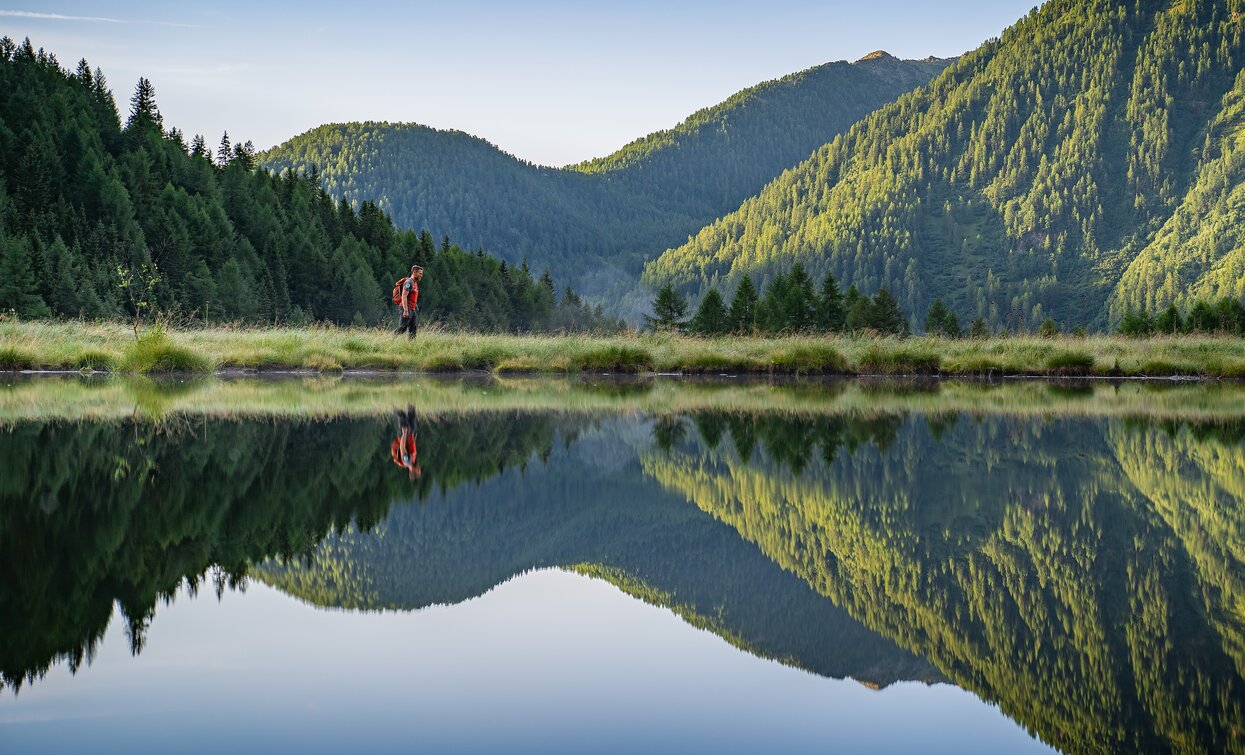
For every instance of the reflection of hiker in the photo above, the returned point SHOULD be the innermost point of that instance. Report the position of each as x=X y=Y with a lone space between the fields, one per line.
x=403 y=448
x=406 y=296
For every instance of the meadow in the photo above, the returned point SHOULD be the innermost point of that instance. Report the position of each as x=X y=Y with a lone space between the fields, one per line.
x=113 y=348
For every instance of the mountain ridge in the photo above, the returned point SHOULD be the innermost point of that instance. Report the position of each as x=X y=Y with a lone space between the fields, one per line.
x=593 y=225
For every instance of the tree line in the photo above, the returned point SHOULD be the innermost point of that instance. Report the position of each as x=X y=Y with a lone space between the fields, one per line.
x=1225 y=316
x=793 y=304
x=104 y=219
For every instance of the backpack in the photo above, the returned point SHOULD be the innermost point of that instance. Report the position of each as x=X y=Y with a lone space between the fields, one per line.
x=397 y=291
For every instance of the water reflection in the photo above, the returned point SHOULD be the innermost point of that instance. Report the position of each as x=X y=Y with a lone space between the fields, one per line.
x=1082 y=572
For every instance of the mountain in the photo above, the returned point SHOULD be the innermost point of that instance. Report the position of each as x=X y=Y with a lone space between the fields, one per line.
x=1085 y=162
x=600 y=220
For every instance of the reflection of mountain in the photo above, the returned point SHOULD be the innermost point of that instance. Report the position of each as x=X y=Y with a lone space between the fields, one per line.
x=93 y=514
x=1021 y=561
x=590 y=507
x=1084 y=574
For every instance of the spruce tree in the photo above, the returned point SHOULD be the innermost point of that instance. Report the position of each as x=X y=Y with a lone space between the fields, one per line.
x=143 y=110
x=941 y=321
x=831 y=313
x=711 y=318
x=743 y=313
x=669 y=309
x=885 y=315
x=224 y=153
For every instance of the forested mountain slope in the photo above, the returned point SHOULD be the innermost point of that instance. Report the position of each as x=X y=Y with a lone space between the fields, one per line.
x=87 y=204
x=1083 y=163
x=598 y=221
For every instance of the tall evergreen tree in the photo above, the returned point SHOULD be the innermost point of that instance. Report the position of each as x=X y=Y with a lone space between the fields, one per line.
x=831 y=312
x=143 y=110
x=743 y=312
x=669 y=309
x=711 y=317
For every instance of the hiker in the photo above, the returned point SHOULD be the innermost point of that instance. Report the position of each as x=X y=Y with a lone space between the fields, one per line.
x=403 y=448
x=406 y=296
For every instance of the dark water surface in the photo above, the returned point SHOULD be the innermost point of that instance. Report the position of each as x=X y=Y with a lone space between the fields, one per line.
x=615 y=567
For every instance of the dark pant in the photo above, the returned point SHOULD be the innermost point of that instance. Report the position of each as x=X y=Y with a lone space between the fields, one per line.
x=409 y=325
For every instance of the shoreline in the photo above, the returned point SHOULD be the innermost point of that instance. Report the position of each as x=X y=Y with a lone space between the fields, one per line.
x=38 y=347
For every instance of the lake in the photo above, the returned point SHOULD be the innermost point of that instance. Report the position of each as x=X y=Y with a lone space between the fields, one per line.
x=541 y=565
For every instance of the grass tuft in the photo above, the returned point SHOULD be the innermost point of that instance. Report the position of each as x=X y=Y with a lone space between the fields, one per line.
x=155 y=352
x=616 y=358
x=1070 y=363
x=13 y=358
x=879 y=359
x=810 y=359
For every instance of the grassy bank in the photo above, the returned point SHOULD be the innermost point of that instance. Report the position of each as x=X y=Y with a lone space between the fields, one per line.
x=112 y=348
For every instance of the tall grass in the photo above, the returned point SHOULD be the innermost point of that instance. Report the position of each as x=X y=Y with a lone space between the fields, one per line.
x=112 y=347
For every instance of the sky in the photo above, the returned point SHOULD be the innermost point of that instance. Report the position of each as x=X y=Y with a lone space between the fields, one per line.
x=552 y=81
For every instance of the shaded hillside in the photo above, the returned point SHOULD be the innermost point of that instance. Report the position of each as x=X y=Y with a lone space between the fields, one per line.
x=1085 y=157
x=598 y=221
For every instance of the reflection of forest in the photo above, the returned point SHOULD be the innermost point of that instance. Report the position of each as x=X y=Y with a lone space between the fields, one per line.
x=93 y=514
x=1084 y=574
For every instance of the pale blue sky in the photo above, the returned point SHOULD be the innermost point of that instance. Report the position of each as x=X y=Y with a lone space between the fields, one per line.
x=553 y=82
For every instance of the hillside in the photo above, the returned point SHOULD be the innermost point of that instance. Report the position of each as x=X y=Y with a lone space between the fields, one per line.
x=104 y=219
x=598 y=221
x=1082 y=163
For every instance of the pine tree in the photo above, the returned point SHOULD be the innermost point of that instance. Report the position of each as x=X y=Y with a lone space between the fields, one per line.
x=711 y=318
x=1169 y=321
x=743 y=313
x=885 y=315
x=669 y=309
x=831 y=313
x=978 y=329
x=224 y=152
x=143 y=110
x=941 y=321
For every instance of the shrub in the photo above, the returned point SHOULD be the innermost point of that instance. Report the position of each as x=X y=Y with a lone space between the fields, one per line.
x=13 y=358
x=154 y=351
x=94 y=360
x=877 y=360
x=813 y=359
x=622 y=358
x=1070 y=363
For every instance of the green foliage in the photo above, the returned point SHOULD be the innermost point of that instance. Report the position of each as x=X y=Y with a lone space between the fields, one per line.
x=812 y=359
x=978 y=329
x=617 y=358
x=745 y=306
x=941 y=321
x=153 y=351
x=597 y=222
x=1070 y=363
x=1048 y=329
x=669 y=310
x=107 y=221
x=1224 y=317
x=1084 y=163
x=711 y=318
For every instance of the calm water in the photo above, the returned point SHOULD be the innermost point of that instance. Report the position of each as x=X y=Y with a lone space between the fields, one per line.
x=616 y=567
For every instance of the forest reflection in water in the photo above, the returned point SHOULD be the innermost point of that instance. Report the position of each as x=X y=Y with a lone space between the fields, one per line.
x=1079 y=566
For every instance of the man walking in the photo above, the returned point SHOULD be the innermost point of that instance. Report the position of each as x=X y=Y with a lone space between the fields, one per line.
x=408 y=302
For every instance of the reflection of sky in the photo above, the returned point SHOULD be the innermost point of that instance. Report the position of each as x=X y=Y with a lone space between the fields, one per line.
x=548 y=662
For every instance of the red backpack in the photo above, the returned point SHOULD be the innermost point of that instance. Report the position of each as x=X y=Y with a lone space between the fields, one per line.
x=397 y=291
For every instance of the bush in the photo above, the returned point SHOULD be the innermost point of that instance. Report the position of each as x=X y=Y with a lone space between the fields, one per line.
x=94 y=360
x=1070 y=363
x=13 y=358
x=154 y=351
x=877 y=360
x=1048 y=329
x=814 y=359
x=616 y=359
